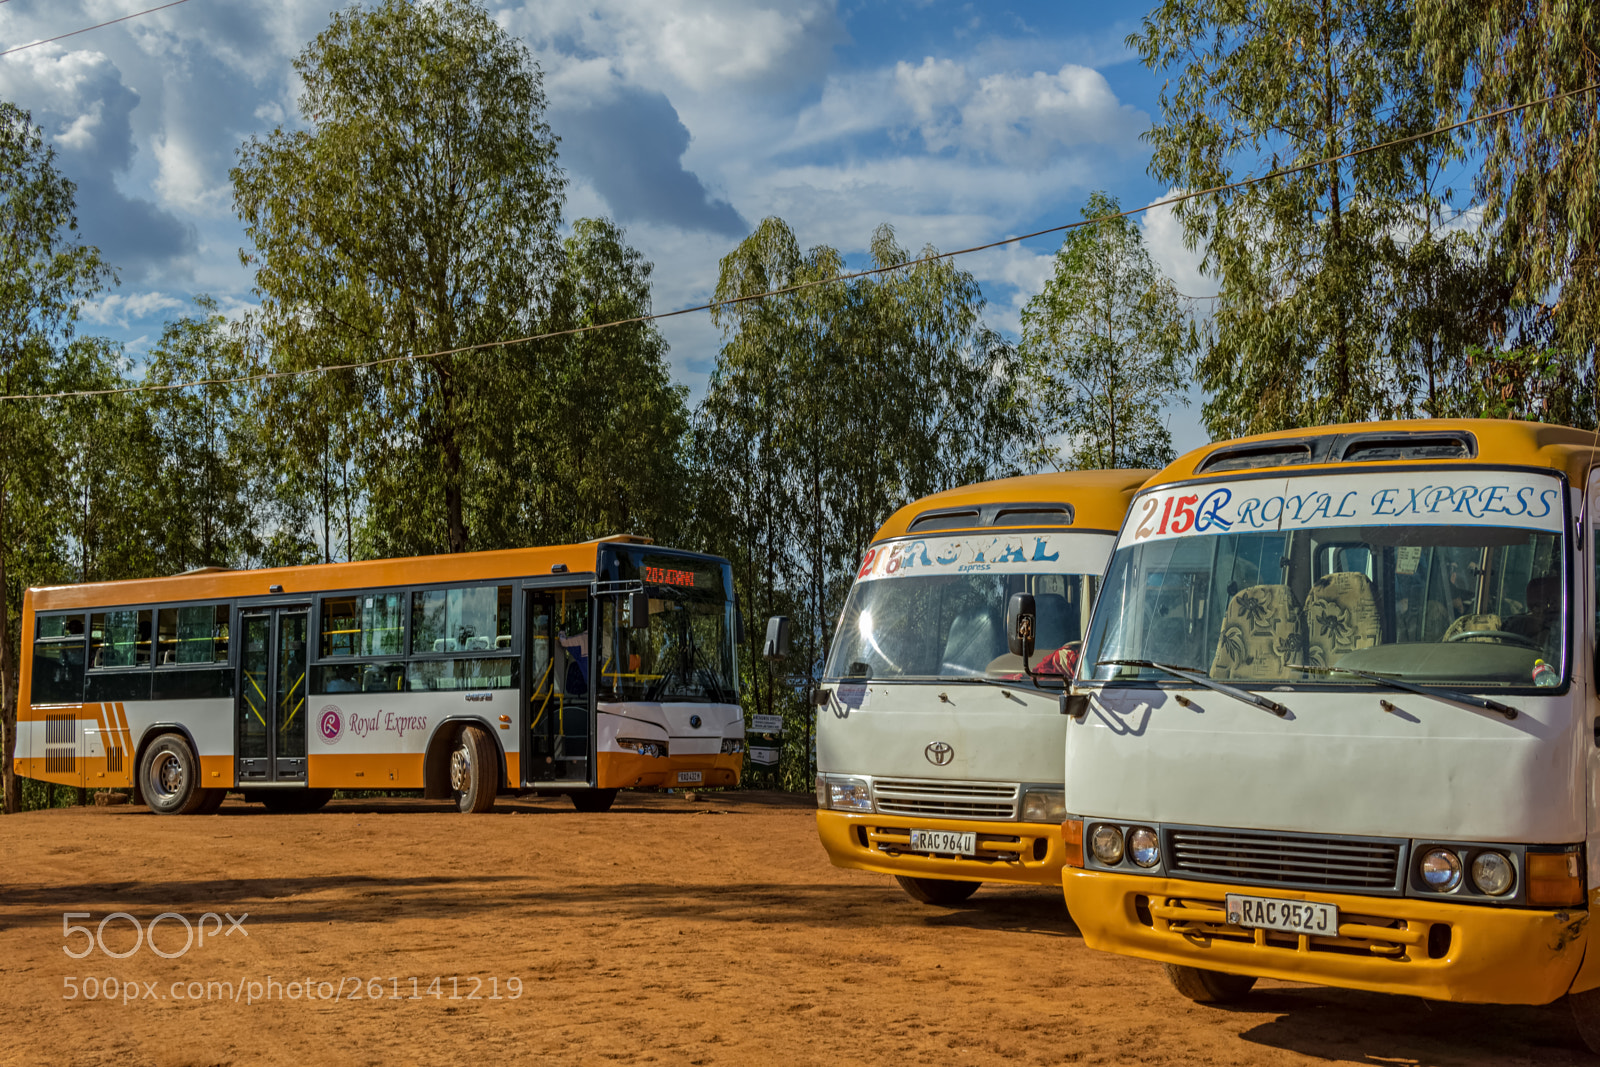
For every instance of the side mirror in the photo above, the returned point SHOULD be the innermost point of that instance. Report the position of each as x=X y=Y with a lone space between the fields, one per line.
x=777 y=645
x=638 y=610
x=1019 y=624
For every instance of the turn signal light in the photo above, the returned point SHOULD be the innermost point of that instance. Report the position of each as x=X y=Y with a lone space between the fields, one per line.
x=1554 y=878
x=1072 y=834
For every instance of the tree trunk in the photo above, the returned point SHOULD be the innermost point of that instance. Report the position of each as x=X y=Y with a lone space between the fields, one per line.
x=8 y=687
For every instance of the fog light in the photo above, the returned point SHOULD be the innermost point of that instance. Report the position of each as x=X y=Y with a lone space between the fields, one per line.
x=1143 y=846
x=1441 y=870
x=1492 y=873
x=1106 y=841
x=1041 y=805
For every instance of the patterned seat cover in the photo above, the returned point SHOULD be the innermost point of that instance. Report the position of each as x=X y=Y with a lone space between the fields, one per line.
x=1341 y=616
x=1261 y=631
x=1468 y=623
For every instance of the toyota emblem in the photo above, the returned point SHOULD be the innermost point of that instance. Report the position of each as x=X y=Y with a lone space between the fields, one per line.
x=939 y=753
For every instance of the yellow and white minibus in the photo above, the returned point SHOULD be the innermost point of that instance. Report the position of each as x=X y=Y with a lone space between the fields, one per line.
x=938 y=749
x=576 y=669
x=1336 y=718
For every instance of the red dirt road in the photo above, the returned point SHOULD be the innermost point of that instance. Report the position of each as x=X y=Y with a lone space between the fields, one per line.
x=662 y=932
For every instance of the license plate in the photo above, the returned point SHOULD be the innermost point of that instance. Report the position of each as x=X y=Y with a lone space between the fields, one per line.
x=687 y=777
x=944 y=841
x=1290 y=916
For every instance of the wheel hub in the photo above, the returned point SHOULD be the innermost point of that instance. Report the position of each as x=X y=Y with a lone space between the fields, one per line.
x=168 y=775
x=461 y=770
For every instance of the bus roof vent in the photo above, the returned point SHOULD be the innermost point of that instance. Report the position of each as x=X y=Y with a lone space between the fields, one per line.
x=1368 y=447
x=946 y=519
x=1010 y=513
x=1283 y=453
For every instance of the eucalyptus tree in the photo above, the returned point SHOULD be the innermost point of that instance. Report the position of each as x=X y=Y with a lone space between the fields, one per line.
x=1540 y=176
x=415 y=210
x=1106 y=345
x=45 y=276
x=829 y=407
x=1301 y=331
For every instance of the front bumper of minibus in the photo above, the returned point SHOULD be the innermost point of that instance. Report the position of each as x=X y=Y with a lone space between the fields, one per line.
x=1017 y=853
x=623 y=770
x=1426 y=948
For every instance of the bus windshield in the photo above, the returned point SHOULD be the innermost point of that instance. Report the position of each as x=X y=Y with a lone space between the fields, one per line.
x=1456 y=581
x=935 y=609
x=685 y=654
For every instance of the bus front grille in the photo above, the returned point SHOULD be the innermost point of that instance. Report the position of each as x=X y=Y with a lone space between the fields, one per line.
x=935 y=799
x=1305 y=861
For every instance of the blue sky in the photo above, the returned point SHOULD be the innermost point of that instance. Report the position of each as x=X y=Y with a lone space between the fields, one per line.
x=686 y=120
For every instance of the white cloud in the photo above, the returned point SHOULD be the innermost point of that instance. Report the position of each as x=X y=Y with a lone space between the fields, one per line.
x=1163 y=237
x=121 y=309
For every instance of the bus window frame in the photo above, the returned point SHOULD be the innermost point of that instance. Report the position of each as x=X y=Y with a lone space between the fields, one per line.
x=26 y=699
x=155 y=630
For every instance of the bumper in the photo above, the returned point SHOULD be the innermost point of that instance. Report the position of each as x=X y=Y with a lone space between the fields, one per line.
x=1017 y=853
x=620 y=770
x=1424 y=948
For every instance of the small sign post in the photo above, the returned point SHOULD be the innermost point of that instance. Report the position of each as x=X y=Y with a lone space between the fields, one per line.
x=765 y=742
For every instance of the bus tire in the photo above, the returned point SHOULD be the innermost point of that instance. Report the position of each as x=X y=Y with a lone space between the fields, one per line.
x=593 y=799
x=291 y=801
x=1209 y=987
x=1586 y=1013
x=940 y=892
x=474 y=771
x=169 y=777
x=213 y=801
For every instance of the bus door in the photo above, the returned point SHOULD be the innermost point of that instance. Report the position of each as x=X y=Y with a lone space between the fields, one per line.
x=271 y=711
x=559 y=687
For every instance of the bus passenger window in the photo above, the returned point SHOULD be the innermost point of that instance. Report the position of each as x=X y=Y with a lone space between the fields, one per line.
x=119 y=639
x=193 y=635
x=58 y=661
x=467 y=619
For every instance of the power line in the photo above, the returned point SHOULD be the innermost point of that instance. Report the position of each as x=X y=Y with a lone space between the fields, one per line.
x=86 y=29
x=1179 y=198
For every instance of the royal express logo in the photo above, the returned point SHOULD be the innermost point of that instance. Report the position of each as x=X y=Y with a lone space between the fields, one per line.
x=332 y=724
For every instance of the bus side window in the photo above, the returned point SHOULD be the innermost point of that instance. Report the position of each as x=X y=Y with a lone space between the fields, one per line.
x=58 y=661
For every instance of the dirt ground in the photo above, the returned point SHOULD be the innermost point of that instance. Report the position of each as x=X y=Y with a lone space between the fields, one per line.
x=666 y=931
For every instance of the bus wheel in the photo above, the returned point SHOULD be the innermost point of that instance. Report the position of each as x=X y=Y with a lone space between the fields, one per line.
x=169 y=775
x=296 y=800
x=1209 y=987
x=213 y=801
x=473 y=771
x=1586 y=1013
x=593 y=799
x=940 y=891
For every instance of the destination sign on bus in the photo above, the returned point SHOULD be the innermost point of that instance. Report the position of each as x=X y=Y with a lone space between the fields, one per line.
x=1470 y=498
x=668 y=576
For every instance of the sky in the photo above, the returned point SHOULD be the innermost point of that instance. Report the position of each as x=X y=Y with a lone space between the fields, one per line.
x=686 y=121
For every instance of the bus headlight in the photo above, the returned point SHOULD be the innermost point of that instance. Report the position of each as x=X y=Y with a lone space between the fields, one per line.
x=656 y=749
x=1441 y=870
x=1044 y=805
x=732 y=745
x=843 y=794
x=1106 y=842
x=1492 y=873
x=1144 y=847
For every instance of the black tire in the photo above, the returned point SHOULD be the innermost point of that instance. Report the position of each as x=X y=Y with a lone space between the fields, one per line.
x=474 y=771
x=593 y=799
x=1209 y=987
x=213 y=801
x=295 y=801
x=169 y=776
x=1586 y=1013
x=940 y=892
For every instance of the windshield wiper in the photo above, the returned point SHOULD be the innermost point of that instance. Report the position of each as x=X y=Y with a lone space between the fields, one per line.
x=1189 y=674
x=1434 y=691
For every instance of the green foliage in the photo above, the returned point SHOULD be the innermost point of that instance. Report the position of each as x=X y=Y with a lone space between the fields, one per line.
x=829 y=408
x=1105 y=347
x=418 y=212
x=1310 y=264
x=1540 y=180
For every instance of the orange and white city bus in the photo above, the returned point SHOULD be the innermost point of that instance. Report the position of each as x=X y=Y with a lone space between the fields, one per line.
x=938 y=747
x=577 y=669
x=1337 y=717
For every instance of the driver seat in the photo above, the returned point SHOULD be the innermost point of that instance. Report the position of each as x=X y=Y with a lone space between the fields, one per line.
x=1341 y=616
x=1468 y=623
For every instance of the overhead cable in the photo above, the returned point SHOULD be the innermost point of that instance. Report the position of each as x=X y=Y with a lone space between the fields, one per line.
x=86 y=29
